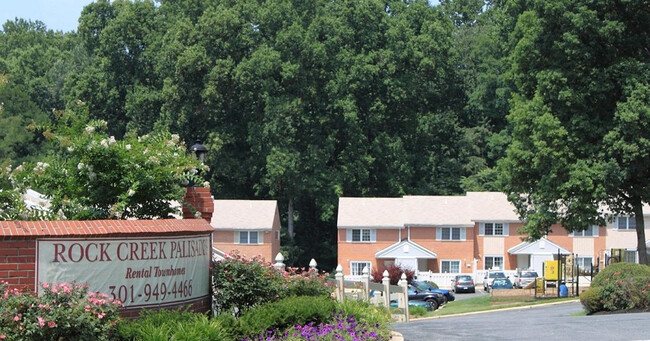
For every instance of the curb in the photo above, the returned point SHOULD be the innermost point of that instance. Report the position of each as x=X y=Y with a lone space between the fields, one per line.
x=396 y=336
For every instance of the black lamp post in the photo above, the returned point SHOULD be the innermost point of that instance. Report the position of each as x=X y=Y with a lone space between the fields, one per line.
x=199 y=150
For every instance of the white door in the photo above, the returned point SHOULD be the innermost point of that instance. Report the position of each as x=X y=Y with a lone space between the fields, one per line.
x=407 y=263
x=537 y=262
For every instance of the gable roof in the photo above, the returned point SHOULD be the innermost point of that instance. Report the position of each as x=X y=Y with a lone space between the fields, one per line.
x=416 y=210
x=405 y=249
x=437 y=210
x=538 y=247
x=244 y=214
x=370 y=212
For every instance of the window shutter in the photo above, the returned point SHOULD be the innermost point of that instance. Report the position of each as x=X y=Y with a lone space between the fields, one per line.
x=373 y=235
x=236 y=237
x=348 y=235
x=463 y=233
x=438 y=233
x=260 y=237
x=506 y=229
x=481 y=229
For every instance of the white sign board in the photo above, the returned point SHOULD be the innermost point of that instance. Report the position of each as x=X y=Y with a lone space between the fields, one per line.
x=140 y=272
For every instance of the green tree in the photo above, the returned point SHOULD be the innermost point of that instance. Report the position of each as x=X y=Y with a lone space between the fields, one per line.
x=581 y=70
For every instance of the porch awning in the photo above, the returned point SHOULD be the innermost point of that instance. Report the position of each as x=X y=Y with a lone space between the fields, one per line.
x=406 y=249
x=538 y=247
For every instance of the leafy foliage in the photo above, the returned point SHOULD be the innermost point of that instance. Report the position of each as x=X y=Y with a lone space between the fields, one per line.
x=240 y=284
x=285 y=313
x=175 y=325
x=619 y=286
x=63 y=311
x=99 y=177
x=394 y=273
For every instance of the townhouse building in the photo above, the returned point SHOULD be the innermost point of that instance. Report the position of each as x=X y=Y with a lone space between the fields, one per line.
x=248 y=227
x=464 y=234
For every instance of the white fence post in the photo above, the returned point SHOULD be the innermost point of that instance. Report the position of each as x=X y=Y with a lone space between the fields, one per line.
x=340 y=283
x=279 y=262
x=386 y=282
x=405 y=297
x=312 y=265
x=365 y=280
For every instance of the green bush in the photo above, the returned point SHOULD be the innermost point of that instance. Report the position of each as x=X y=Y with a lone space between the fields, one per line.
x=417 y=311
x=591 y=299
x=175 y=325
x=365 y=311
x=620 y=271
x=297 y=310
x=620 y=286
x=638 y=289
x=62 y=312
x=240 y=283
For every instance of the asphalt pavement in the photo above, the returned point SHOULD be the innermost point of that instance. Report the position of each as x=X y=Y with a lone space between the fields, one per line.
x=558 y=321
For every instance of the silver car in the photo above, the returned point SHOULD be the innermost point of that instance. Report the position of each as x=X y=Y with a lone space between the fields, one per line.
x=523 y=278
x=489 y=278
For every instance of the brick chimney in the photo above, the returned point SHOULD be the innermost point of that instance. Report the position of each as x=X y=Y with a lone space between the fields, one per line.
x=198 y=199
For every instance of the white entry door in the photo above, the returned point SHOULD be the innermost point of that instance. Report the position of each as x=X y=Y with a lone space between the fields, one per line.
x=407 y=263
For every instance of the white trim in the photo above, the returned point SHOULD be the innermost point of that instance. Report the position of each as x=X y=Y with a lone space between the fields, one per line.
x=494 y=256
x=505 y=229
x=462 y=234
x=369 y=263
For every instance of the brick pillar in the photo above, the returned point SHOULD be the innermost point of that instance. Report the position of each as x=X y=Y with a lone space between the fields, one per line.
x=198 y=199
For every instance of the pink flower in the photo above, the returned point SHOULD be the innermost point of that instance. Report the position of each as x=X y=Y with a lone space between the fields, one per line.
x=87 y=308
x=17 y=317
x=101 y=315
x=41 y=322
x=51 y=324
x=3 y=336
x=46 y=285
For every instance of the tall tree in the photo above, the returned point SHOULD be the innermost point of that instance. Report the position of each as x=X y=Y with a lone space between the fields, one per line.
x=581 y=69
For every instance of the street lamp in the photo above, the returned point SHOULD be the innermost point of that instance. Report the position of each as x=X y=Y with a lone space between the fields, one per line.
x=199 y=150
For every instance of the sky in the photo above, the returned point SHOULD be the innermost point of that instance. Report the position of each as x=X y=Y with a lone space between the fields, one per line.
x=58 y=15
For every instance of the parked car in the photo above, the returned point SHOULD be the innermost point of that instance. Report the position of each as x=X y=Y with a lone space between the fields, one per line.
x=490 y=276
x=415 y=303
x=425 y=286
x=464 y=283
x=523 y=278
x=501 y=283
x=435 y=298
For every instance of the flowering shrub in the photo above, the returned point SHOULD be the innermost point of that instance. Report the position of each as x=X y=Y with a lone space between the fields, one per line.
x=97 y=176
x=63 y=312
x=240 y=283
x=342 y=327
x=619 y=286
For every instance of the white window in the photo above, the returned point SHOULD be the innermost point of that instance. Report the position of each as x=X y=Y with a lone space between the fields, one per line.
x=450 y=266
x=630 y=256
x=361 y=235
x=591 y=231
x=494 y=229
x=247 y=237
x=584 y=264
x=356 y=268
x=493 y=262
x=625 y=223
x=450 y=233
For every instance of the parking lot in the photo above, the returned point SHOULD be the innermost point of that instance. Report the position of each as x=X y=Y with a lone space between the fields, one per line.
x=559 y=321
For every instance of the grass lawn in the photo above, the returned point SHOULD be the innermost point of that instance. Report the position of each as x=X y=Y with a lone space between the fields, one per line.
x=485 y=303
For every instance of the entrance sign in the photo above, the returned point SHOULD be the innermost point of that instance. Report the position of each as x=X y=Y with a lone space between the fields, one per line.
x=140 y=272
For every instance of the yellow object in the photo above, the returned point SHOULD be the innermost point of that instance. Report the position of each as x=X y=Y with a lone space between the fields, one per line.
x=550 y=270
x=539 y=285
